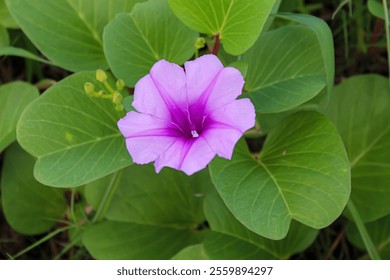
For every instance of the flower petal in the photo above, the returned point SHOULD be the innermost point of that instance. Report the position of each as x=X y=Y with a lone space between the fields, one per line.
x=200 y=73
x=146 y=136
x=170 y=80
x=189 y=156
x=148 y=100
x=225 y=126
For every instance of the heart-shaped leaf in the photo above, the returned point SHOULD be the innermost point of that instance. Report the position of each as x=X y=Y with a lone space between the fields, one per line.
x=74 y=136
x=285 y=69
x=302 y=173
x=238 y=23
x=360 y=110
x=30 y=207
x=134 y=42
x=68 y=32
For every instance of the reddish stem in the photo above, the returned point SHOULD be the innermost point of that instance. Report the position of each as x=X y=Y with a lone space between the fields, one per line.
x=217 y=43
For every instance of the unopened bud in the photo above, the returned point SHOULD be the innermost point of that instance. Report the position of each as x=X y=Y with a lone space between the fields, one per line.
x=120 y=84
x=101 y=76
x=119 y=107
x=117 y=98
x=89 y=88
x=200 y=42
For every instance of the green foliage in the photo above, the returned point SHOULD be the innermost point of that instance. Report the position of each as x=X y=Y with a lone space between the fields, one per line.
x=302 y=173
x=360 y=110
x=237 y=23
x=283 y=71
x=68 y=32
x=14 y=97
x=30 y=207
x=134 y=42
x=74 y=136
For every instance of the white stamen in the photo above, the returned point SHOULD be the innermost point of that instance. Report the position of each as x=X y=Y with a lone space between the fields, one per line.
x=194 y=134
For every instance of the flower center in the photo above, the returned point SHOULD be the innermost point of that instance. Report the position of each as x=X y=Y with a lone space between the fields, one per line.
x=194 y=134
x=189 y=123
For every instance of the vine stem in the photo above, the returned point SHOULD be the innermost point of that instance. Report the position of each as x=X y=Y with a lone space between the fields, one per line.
x=372 y=252
x=387 y=28
x=108 y=195
x=217 y=43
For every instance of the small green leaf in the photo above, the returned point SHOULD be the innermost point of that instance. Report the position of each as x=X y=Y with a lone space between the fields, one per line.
x=14 y=97
x=193 y=252
x=74 y=136
x=238 y=23
x=325 y=40
x=302 y=173
x=379 y=231
x=360 y=110
x=220 y=246
x=12 y=51
x=134 y=42
x=285 y=69
x=222 y=220
x=128 y=241
x=142 y=196
x=68 y=32
x=29 y=207
x=376 y=8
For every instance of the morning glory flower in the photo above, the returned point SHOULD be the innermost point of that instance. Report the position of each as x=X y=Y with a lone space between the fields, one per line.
x=187 y=116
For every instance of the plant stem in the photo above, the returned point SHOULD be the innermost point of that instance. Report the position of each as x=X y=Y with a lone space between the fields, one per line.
x=106 y=200
x=363 y=232
x=217 y=43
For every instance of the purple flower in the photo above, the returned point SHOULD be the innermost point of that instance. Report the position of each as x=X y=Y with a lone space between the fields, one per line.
x=186 y=117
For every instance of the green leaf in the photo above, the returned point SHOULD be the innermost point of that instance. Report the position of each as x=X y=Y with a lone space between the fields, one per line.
x=221 y=220
x=68 y=32
x=74 y=136
x=14 y=97
x=219 y=246
x=29 y=207
x=238 y=23
x=284 y=69
x=129 y=241
x=325 y=40
x=4 y=41
x=379 y=231
x=142 y=196
x=193 y=252
x=302 y=173
x=360 y=110
x=5 y=18
x=12 y=51
x=376 y=8
x=134 y=42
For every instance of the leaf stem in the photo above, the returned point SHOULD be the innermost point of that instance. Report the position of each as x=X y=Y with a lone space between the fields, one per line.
x=217 y=44
x=43 y=239
x=373 y=253
x=387 y=28
x=108 y=195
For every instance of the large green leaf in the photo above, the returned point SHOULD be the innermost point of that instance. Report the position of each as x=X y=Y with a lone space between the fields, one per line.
x=360 y=108
x=238 y=23
x=142 y=196
x=285 y=69
x=68 y=32
x=134 y=42
x=14 y=97
x=379 y=231
x=13 y=51
x=220 y=246
x=5 y=17
x=325 y=40
x=302 y=173
x=118 y=240
x=74 y=136
x=29 y=207
x=221 y=220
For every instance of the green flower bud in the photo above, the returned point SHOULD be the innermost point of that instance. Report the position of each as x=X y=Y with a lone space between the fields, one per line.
x=89 y=89
x=101 y=76
x=199 y=43
x=120 y=84
x=119 y=107
x=117 y=98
